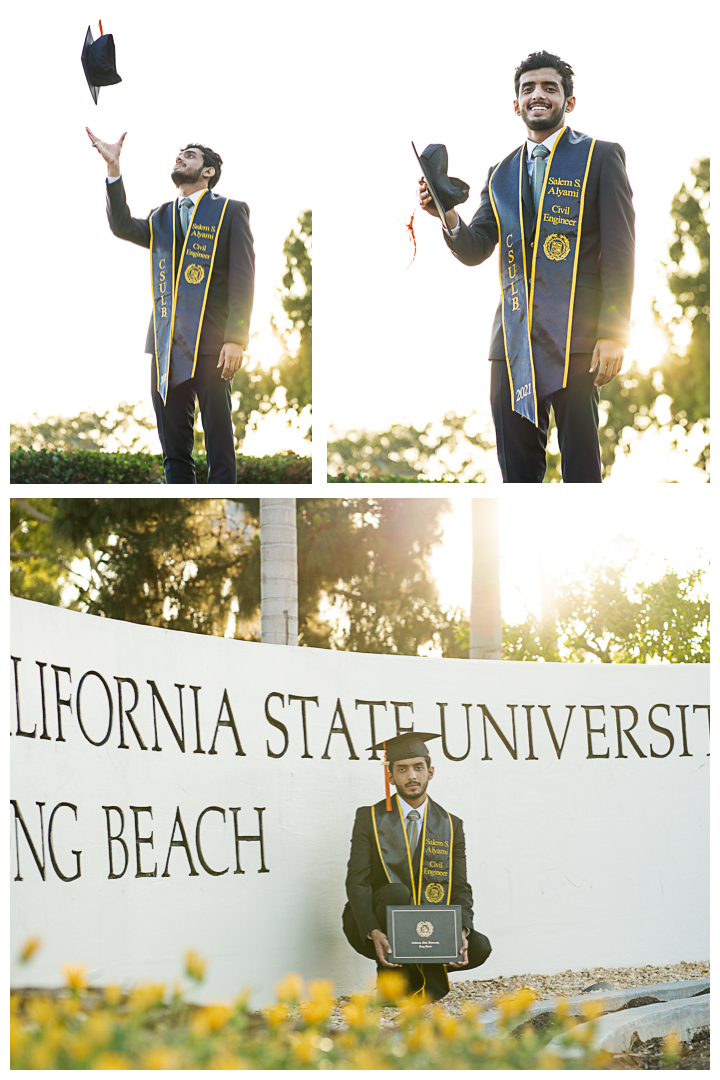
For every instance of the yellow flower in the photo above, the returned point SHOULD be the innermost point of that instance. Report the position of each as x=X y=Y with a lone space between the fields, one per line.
x=75 y=976
x=195 y=965
x=445 y=1024
x=303 y=1047
x=320 y=1004
x=276 y=1014
x=40 y=1010
x=422 y=1038
x=145 y=996
x=290 y=988
x=392 y=985
x=110 y=1060
x=77 y=1046
x=99 y=1029
x=592 y=1009
x=367 y=1059
x=112 y=995
x=227 y=1061
x=516 y=1003
x=160 y=1057
x=355 y=1012
x=42 y=1056
x=29 y=949
x=18 y=1036
x=210 y=1018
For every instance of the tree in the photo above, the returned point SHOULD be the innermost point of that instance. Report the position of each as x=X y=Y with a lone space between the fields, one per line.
x=597 y=616
x=631 y=403
x=194 y=564
x=40 y=565
x=122 y=428
x=288 y=385
x=454 y=448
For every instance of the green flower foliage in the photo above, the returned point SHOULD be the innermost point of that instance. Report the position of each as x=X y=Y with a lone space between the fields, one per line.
x=148 y=1027
x=99 y=467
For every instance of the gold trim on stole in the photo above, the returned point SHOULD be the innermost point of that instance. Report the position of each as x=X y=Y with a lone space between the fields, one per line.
x=575 y=264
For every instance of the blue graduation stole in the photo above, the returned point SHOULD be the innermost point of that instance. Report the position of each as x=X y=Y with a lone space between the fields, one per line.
x=537 y=301
x=179 y=302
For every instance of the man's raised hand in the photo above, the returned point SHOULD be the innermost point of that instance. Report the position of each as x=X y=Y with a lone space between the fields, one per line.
x=109 y=152
x=428 y=204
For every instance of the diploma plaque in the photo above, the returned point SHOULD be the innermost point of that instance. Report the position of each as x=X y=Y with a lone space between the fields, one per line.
x=425 y=935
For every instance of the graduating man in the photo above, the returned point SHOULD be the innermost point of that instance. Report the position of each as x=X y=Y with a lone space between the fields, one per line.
x=560 y=207
x=203 y=266
x=385 y=846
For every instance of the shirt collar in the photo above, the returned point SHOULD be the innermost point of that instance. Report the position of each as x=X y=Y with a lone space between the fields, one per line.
x=195 y=196
x=546 y=142
x=406 y=807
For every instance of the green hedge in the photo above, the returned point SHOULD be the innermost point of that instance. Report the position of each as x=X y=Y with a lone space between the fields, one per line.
x=99 y=467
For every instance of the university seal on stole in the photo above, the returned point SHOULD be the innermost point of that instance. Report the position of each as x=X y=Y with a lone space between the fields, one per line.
x=194 y=274
x=556 y=247
x=434 y=893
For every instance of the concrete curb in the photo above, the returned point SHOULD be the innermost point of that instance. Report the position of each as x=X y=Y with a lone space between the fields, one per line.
x=615 y=1031
x=611 y=1000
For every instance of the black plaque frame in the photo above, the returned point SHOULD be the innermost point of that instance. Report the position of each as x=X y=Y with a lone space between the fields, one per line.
x=441 y=945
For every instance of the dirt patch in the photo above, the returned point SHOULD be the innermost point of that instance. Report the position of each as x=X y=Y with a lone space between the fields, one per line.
x=649 y=1055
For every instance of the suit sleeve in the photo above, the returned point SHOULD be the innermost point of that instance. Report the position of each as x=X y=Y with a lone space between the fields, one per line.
x=358 y=881
x=476 y=242
x=241 y=277
x=617 y=247
x=121 y=221
x=461 y=892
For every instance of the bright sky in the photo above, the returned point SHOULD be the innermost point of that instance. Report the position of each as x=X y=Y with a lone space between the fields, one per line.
x=541 y=531
x=414 y=341
x=234 y=77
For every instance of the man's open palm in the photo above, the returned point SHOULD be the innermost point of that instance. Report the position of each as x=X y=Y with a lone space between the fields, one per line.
x=109 y=152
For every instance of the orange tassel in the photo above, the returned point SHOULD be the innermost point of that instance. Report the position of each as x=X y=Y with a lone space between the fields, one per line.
x=100 y=25
x=388 y=803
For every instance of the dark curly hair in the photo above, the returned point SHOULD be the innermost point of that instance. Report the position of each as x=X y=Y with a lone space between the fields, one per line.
x=211 y=160
x=545 y=59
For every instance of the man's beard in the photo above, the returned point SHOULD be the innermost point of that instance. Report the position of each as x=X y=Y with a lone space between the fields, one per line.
x=416 y=793
x=551 y=119
x=185 y=176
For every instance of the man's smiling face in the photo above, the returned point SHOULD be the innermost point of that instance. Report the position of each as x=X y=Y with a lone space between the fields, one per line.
x=541 y=102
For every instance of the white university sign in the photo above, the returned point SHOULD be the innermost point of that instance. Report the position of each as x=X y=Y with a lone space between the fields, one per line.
x=173 y=791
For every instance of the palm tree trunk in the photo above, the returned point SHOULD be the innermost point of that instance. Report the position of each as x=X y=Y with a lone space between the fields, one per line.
x=278 y=572
x=485 y=619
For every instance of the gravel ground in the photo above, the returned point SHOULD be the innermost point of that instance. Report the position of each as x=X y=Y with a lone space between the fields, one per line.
x=568 y=983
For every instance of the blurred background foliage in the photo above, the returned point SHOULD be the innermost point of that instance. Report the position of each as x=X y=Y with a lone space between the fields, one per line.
x=365 y=580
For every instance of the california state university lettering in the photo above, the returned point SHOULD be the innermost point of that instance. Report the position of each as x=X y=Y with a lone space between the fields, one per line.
x=538 y=280
x=179 y=300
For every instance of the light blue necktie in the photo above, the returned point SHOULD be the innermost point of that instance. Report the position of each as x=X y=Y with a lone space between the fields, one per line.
x=413 y=818
x=185 y=212
x=539 y=154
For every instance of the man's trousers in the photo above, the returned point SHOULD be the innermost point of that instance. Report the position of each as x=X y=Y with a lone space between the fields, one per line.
x=521 y=447
x=431 y=978
x=176 y=419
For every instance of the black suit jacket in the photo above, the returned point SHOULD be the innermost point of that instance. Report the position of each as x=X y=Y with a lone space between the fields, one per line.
x=365 y=872
x=230 y=294
x=606 y=260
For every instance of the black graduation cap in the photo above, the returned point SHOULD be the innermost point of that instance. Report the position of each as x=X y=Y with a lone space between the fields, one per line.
x=410 y=744
x=98 y=61
x=447 y=191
